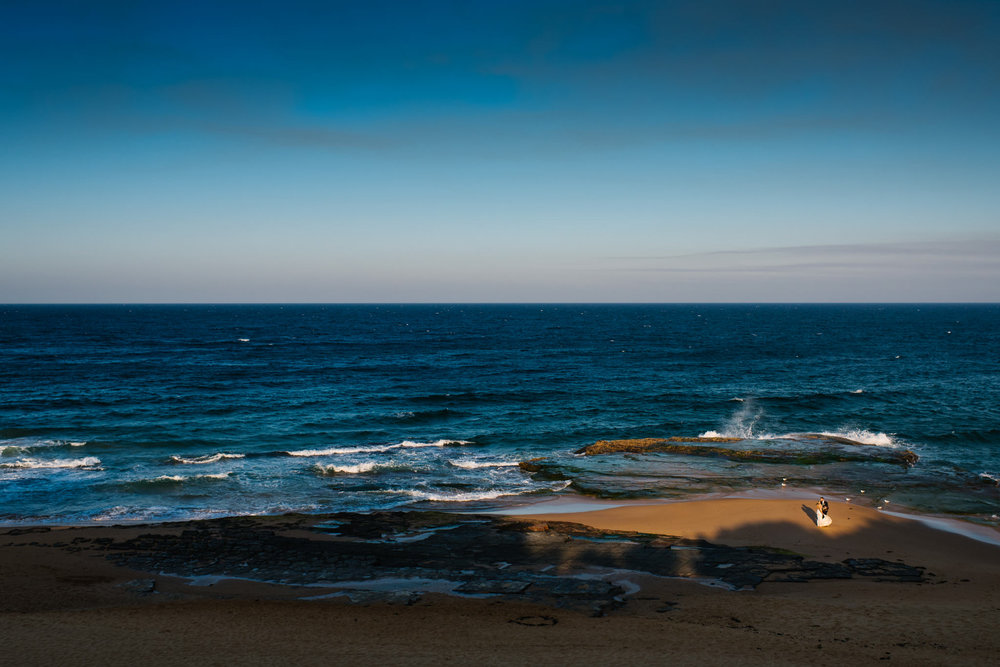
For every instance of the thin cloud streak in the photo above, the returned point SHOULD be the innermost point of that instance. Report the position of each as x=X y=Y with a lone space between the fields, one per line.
x=986 y=247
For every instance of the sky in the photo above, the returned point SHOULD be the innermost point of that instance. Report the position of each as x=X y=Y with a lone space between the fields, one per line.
x=499 y=151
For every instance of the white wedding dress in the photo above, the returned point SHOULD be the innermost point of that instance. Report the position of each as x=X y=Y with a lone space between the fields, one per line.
x=823 y=519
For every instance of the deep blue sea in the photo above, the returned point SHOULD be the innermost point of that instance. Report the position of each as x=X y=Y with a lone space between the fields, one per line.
x=117 y=413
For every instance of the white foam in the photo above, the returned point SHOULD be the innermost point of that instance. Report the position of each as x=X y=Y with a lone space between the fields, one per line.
x=741 y=424
x=122 y=513
x=467 y=496
x=406 y=444
x=472 y=496
x=471 y=464
x=993 y=477
x=858 y=391
x=861 y=436
x=208 y=458
x=11 y=447
x=356 y=469
x=865 y=437
x=184 y=478
x=32 y=464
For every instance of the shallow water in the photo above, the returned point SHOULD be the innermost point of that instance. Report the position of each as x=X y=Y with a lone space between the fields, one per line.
x=113 y=413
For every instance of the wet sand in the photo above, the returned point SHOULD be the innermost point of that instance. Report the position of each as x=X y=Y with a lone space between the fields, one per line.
x=77 y=596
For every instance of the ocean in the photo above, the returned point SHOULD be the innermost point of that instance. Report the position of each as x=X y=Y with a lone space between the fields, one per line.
x=168 y=412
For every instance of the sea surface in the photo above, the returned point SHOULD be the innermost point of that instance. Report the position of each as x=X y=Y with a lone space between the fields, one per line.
x=119 y=413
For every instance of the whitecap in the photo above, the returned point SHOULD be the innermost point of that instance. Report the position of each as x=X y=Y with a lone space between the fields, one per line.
x=12 y=447
x=356 y=469
x=479 y=494
x=208 y=458
x=169 y=479
x=993 y=477
x=472 y=464
x=32 y=464
x=463 y=496
x=375 y=449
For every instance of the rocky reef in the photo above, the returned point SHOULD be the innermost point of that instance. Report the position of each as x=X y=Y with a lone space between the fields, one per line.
x=839 y=450
x=553 y=563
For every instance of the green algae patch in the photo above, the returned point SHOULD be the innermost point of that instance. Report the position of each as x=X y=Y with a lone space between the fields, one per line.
x=640 y=445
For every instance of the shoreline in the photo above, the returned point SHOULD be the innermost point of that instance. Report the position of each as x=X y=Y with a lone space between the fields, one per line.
x=626 y=581
x=579 y=504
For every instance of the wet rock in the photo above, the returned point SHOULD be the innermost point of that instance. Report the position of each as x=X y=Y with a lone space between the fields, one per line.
x=855 y=451
x=535 y=621
x=140 y=586
x=493 y=586
x=484 y=555
x=26 y=531
x=885 y=570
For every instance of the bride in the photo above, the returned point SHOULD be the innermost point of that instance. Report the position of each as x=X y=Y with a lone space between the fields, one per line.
x=822 y=514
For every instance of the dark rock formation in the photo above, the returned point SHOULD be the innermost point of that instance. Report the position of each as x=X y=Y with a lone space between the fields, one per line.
x=842 y=450
x=554 y=563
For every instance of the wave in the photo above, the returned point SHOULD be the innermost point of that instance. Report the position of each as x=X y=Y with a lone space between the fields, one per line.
x=376 y=449
x=24 y=445
x=361 y=468
x=123 y=513
x=849 y=437
x=993 y=478
x=476 y=495
x=172 y=480
x=863 y=436
x=89 y=462
x=475 y=465
x=208 y=458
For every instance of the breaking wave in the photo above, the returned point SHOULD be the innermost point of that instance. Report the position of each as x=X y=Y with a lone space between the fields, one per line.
x=854 y=437
x=173 y=480
x=25 y=445
x=476 y=465
x=477 y=495
x=376 y=449
x=89 y=462
x=864 y=437
x=208 y=458
x=360 y=468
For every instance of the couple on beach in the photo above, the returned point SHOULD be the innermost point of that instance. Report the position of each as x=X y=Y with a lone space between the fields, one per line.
x=823 y=513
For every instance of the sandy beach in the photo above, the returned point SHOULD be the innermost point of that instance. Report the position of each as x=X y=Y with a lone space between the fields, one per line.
x=605 y=586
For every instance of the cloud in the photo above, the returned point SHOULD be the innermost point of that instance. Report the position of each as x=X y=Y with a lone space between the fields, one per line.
x=958 y=256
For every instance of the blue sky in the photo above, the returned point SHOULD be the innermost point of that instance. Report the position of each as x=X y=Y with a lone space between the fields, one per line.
x=499 y=151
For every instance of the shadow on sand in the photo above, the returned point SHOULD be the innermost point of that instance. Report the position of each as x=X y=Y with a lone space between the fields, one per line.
x=405 y=553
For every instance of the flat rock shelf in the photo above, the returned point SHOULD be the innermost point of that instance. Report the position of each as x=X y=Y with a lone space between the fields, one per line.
x=398 y=555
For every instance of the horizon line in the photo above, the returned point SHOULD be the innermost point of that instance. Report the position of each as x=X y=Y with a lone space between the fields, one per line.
x=499 y=303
